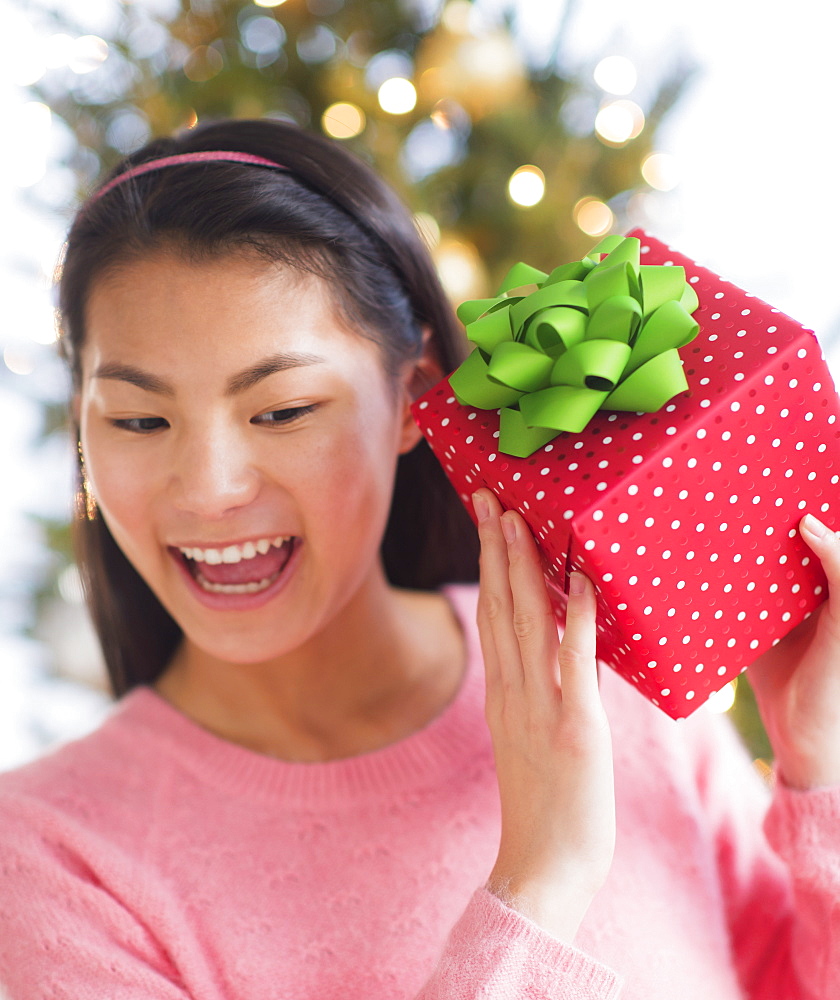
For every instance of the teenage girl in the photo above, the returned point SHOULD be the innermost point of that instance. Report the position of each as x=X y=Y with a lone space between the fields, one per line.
x=335 y=767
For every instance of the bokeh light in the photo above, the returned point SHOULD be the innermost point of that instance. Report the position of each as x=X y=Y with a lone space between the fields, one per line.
x=19 y=359
x=661 y=171
x=456 y=16
x=87 y=54
x=343 y=120
x=460 y=269
x=526 y=186
x=203 y=63
x=721 y=701
x=619 y=122
x=593 y=217
x=616 y=75
x=269 y=3
x=397 y=96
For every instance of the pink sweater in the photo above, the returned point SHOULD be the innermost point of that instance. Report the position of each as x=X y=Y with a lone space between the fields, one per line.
x=152 y=860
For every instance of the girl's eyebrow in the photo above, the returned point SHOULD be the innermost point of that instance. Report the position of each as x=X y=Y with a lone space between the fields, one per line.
x=236 y=383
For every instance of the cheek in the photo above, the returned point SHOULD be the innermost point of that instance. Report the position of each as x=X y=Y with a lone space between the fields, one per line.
x=347 y=479
x=122 y=488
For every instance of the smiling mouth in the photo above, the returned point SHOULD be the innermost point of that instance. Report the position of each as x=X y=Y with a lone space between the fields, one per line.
x=250 y=574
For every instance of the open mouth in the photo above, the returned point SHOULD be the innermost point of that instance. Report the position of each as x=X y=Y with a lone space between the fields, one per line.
x=238 y=569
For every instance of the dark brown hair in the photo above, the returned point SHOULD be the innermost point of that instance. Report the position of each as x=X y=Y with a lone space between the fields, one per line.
x=329 y=214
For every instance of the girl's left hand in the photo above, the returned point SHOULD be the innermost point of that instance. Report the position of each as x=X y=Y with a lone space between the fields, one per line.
x=797 y=681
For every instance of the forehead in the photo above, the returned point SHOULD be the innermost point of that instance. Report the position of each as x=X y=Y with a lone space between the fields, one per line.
x=164 y=311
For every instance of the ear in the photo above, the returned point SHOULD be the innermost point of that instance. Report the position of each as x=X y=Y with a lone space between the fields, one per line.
x=419 y=376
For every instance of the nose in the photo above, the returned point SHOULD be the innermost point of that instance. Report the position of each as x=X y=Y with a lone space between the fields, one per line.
x=213 y=473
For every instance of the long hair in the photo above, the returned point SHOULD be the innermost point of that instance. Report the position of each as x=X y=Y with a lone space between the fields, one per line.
x=327 y=213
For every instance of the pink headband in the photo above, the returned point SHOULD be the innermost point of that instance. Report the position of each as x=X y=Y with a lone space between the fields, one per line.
x=205 y=156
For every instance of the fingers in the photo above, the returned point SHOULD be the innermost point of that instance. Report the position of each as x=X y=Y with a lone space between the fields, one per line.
x=577 y=652
x=495 y=601
x=516 y=620
x=826 y=545
x=533 y=623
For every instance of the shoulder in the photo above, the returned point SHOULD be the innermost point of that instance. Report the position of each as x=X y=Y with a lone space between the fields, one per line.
x=91 y=781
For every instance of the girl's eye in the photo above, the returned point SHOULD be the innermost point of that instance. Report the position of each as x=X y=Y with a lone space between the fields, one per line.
x=140 y=425
x=288 y=416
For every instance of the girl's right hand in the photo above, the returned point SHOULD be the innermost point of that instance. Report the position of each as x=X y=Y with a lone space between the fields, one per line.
x=551 y=738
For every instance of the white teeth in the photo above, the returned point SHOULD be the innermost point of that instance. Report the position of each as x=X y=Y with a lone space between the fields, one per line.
x=235 y=553
x=235 y=588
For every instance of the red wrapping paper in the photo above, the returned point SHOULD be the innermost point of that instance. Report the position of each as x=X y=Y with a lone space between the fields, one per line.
x=685 y=519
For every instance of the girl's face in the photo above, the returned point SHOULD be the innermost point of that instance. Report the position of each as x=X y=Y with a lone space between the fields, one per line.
x=241 y=445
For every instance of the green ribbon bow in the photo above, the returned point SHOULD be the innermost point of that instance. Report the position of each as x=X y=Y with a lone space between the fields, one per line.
x=601 y=333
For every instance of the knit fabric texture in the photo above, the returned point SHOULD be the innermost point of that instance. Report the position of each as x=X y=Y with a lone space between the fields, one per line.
x=152 y=860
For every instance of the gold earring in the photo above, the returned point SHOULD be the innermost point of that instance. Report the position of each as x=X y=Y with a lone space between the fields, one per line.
x=85 y=500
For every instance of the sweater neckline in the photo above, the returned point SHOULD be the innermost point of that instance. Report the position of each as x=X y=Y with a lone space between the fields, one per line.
x=419 y=760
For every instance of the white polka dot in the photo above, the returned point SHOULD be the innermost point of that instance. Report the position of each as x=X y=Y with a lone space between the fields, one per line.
x=589 y=545
x=539 y=495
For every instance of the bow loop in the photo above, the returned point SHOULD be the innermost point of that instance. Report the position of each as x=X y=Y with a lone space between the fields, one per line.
x=599 y=333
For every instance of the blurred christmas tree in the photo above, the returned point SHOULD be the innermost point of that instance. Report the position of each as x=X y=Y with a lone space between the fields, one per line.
x=502 y=147
x=503 y=153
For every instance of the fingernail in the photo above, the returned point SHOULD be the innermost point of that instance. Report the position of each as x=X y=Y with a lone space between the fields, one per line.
x=480 y=506
x=509 y=529
x=577 y=583
x=814 y=526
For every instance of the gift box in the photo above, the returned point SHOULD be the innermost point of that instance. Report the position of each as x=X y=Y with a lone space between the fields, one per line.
x=684 y=518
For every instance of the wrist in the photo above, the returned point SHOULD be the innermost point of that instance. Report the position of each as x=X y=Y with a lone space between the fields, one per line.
x=803 y=775
x=557 y=910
